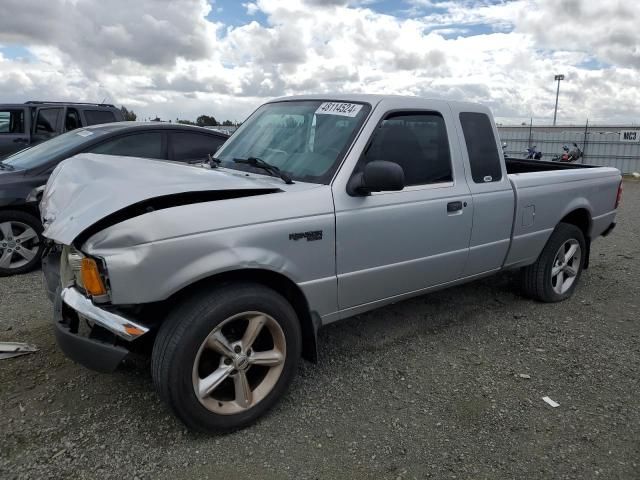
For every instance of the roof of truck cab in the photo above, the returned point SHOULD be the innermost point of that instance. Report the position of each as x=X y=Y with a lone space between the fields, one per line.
x=374 y=99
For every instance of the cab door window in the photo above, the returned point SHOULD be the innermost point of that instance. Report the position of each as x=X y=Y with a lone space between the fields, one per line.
x=418 y=142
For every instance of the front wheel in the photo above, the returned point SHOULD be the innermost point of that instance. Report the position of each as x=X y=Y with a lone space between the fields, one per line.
x=225 y=357
x=555 y=275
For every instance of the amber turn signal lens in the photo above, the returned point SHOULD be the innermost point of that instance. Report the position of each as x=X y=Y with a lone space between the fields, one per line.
x=91 y=277
x=133 y=331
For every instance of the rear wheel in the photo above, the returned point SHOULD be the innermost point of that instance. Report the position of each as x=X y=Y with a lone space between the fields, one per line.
x=20 y=242
x=225 y=357
x=555 y=275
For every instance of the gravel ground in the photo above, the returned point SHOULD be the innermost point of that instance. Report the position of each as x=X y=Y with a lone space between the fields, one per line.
x=449 y=385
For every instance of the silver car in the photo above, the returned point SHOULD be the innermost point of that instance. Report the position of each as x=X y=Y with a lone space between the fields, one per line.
x=317 y=209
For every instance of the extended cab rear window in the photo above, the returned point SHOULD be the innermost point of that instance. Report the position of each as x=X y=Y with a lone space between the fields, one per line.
x=481 y=147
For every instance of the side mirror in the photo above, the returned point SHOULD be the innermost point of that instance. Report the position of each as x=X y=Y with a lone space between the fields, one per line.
x=377 y=176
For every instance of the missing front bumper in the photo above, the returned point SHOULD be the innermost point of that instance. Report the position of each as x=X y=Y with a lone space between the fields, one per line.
x=113 y=322
x=99 y=349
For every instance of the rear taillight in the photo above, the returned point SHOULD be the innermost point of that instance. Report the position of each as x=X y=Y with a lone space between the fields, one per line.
x=619 y=196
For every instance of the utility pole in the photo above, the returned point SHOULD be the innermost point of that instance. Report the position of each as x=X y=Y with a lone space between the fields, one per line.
x=555 y=111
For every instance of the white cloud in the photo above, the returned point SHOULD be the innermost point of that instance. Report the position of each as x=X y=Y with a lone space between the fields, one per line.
x=608 y=30
x=93 y=33
x=164 y=58
x=251 y=8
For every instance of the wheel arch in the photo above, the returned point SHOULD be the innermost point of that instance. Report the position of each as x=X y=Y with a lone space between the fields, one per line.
x=581 y=218
x=309 y=321
x=31 y=209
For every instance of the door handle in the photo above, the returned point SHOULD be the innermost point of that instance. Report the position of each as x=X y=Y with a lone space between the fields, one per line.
x=454 y=207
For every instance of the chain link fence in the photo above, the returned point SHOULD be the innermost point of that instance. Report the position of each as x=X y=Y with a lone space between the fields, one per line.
x=612 y=146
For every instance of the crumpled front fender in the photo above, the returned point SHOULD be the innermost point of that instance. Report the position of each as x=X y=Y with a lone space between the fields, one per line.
x=149 y=273
x=153 y=256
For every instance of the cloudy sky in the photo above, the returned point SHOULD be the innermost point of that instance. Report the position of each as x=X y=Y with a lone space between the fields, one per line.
x=183 y=58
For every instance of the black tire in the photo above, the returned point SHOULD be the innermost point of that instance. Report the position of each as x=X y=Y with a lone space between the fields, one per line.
x=34 y=223
x=187 y=326
x=537 y=280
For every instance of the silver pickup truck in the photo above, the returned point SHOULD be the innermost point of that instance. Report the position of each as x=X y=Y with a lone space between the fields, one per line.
x=317 y=209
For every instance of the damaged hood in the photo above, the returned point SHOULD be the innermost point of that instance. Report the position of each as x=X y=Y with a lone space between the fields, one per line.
x=86 y=188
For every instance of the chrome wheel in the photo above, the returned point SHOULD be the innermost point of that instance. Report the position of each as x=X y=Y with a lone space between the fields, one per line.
x=566 y=266
x=19 y=244
x=239 y=363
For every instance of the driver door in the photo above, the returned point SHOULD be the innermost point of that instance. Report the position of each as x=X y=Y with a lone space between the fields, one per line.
x=394 y=243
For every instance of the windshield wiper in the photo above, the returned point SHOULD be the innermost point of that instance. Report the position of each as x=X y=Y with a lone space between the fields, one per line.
x=213 y=161
x=6 y=166
x=267 y=167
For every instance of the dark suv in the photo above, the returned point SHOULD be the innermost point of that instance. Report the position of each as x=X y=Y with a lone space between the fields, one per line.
x=24 y=174
x=25 y=124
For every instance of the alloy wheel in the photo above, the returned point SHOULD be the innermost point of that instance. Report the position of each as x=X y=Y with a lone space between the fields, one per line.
x=239 y=363
x=19 y=244
x=566 y=266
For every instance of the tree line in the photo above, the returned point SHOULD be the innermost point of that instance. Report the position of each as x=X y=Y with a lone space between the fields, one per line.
x=201 y=121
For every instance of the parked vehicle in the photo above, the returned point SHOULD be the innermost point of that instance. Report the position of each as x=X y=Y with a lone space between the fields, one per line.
x=317 y=209
x=26 y=124
x=575 y=154
x=563 y=157
x=569 y=156
x=24 y=174
x=533 y=153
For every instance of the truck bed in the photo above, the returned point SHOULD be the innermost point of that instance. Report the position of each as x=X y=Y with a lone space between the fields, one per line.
x=522 y=165
x=546 y=192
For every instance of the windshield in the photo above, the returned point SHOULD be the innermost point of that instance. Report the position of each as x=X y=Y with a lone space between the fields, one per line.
x=304 y=139
x=44 y=152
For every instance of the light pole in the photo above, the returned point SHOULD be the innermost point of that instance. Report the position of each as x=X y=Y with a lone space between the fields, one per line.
x=555 y=111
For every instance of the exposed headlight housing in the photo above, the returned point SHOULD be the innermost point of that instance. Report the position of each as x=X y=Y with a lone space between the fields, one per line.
x=84 y=272
x=70 y=260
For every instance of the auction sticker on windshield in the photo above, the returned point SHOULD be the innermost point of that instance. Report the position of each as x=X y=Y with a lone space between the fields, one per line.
x=337 y=108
